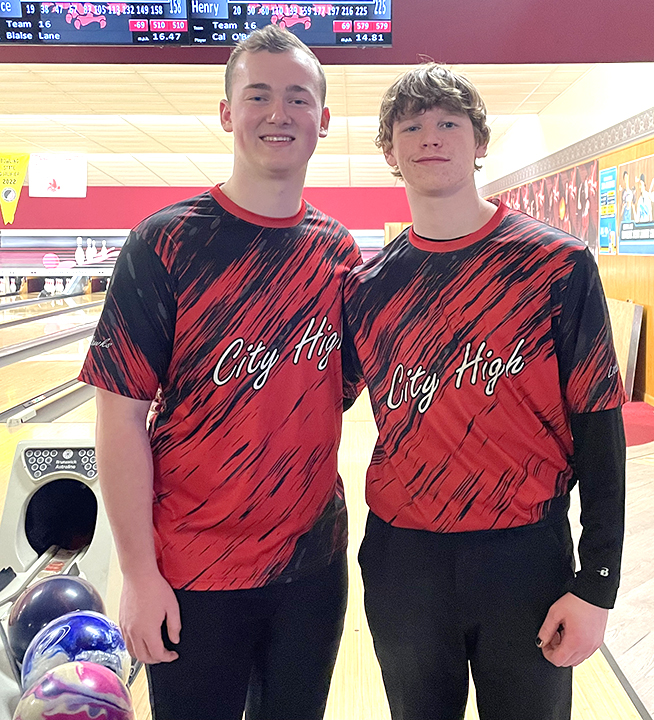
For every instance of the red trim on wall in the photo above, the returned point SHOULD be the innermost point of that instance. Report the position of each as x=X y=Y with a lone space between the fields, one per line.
x=361 y=208
x=118 y=208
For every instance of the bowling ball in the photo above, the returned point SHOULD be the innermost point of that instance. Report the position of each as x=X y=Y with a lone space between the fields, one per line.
x=76 y=691
x=44 y=601
x=81 y=635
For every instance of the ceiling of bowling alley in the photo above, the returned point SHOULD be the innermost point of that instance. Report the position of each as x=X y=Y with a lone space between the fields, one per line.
x=159 y=124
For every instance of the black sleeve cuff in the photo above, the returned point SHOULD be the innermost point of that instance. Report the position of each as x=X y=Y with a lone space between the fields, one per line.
x=599 y=464
x=601 y=594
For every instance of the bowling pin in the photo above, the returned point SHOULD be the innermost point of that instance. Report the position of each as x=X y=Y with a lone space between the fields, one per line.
x=89 y=250
x=12 y=285
x=79 y=252
x=103 y=250
x=94 y=249
x=2 y=286
x=59 y=286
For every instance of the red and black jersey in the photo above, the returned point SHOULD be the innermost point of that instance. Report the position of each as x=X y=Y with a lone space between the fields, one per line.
x=236 y=320
x=476 y=352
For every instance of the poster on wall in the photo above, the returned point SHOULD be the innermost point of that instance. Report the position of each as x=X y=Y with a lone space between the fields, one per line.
x=635 y=211
x=58 y=175
x=566 y=200
x=608 y=191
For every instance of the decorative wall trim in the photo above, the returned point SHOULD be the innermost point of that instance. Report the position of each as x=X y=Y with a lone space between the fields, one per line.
x=624 y=133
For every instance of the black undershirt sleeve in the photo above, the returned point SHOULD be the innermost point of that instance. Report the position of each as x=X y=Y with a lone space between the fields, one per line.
x=599 y=464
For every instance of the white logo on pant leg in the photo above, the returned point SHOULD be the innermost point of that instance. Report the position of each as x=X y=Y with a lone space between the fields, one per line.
x=603 y=571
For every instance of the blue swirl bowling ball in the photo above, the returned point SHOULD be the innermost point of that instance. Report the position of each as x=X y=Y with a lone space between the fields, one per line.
x=76 y=691
x=82 y=635
x=44 y=601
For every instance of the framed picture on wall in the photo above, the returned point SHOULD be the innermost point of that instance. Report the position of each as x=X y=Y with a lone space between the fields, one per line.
x=635 y=207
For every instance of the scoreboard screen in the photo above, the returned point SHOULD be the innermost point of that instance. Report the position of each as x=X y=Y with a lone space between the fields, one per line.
x=93 y=23
x=218 y=22
x=192 y=22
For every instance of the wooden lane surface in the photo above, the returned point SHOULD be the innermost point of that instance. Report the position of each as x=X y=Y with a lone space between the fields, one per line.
x=10 y=299
x=47 y=305
x=357 y=691
x=29 y=378
x=42 y=328
x=84 y=413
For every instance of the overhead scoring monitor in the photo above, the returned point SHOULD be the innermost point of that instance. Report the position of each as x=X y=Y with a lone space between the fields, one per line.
x=93 y=23
x=338 y=23
x=192 y=22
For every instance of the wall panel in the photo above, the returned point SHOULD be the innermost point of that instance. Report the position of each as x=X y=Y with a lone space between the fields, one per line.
x=120 y=208
x=631 y=277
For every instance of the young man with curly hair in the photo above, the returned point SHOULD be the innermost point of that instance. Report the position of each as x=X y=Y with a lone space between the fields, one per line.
x=484 y=339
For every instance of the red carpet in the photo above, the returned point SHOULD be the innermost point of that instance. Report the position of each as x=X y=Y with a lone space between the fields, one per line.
x=638 y=423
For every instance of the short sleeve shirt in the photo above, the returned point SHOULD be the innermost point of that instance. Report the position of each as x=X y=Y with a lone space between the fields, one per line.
x=476 y=352
x=235 y=322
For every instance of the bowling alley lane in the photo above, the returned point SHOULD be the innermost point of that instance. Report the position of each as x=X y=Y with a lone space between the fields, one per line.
x=29 y=378
x=11 y=299
x=47 y=305
x=42 y=328
x=84 y=413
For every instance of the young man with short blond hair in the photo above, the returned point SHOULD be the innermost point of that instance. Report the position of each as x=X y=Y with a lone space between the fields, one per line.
x=229 y=517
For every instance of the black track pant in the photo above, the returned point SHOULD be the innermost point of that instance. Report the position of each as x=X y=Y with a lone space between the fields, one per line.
x=272 y=649
x=439 y=604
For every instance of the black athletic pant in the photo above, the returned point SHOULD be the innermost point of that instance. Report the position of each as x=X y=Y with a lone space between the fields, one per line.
x=439 y=604
x=272 y=649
